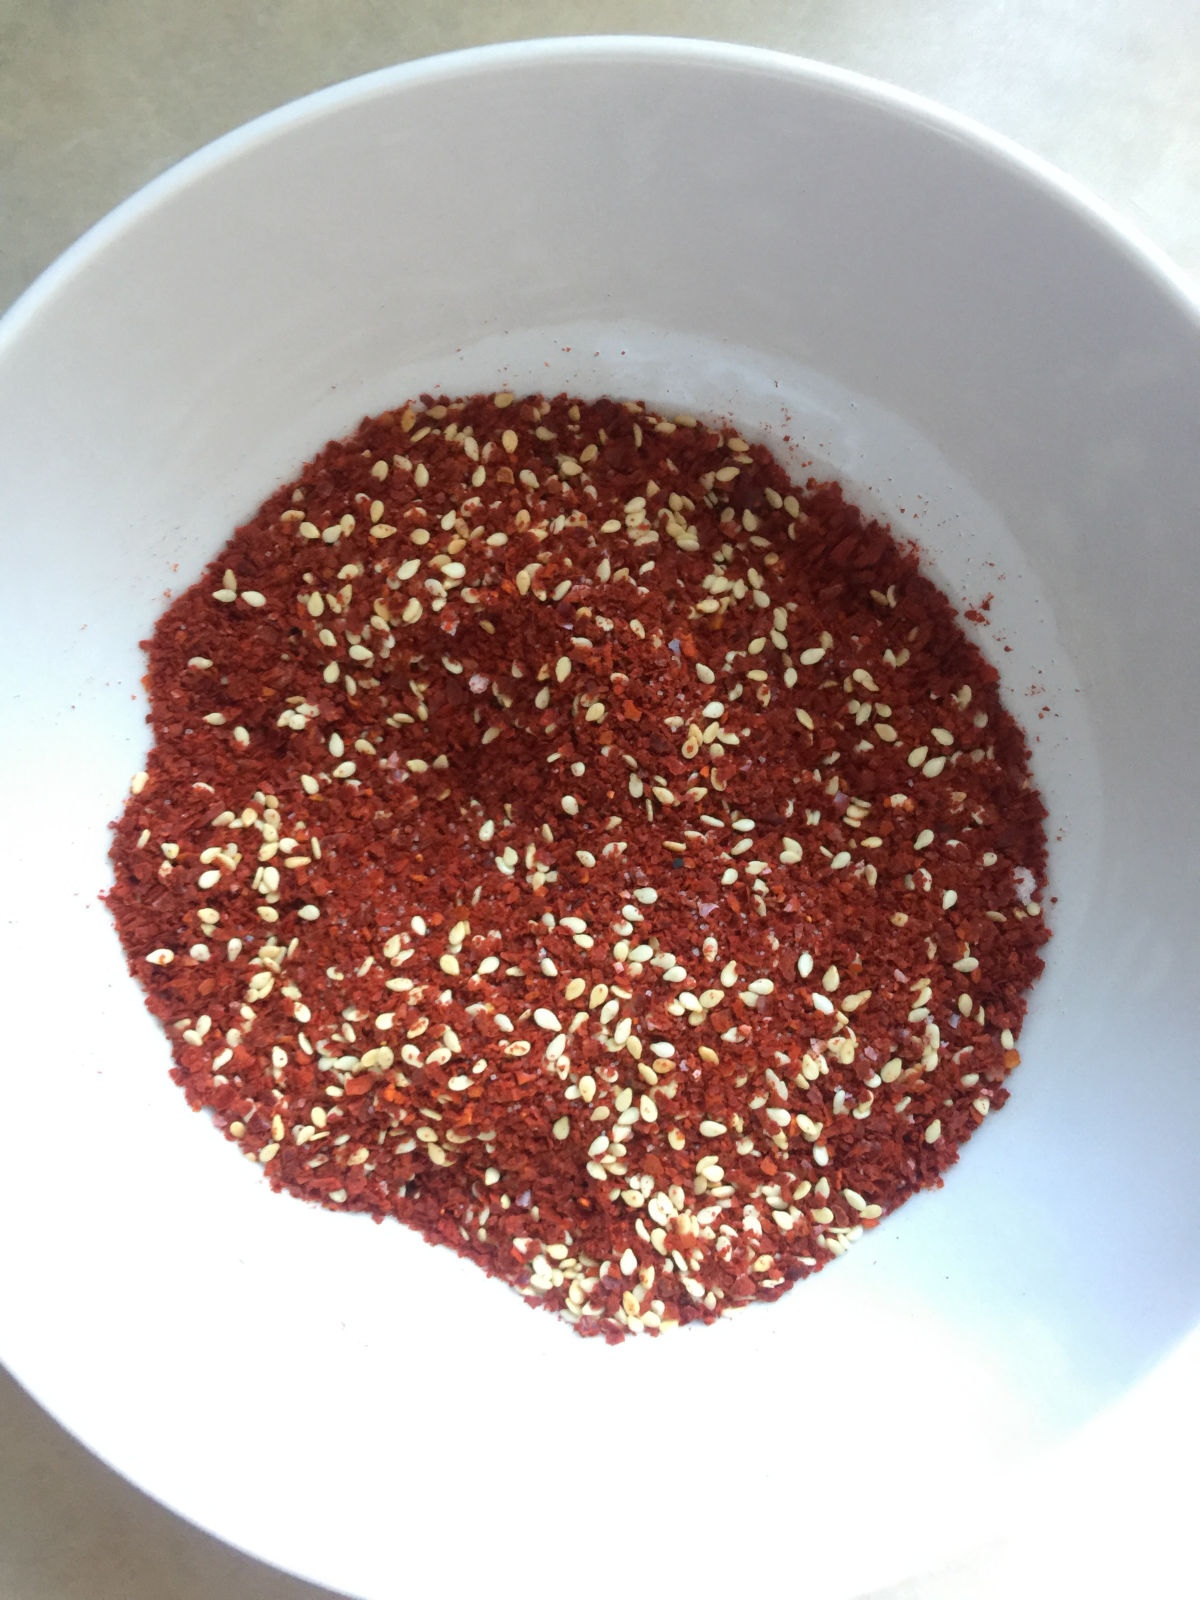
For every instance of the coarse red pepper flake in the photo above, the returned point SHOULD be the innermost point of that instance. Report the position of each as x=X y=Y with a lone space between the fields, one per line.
x=568 y=836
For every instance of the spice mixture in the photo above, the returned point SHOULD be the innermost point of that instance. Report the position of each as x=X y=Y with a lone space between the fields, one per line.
x=567 y=836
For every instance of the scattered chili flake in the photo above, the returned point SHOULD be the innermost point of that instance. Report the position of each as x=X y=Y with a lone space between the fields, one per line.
x=568 y=836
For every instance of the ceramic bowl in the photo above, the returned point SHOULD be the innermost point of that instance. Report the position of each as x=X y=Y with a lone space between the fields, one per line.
x=863 y=281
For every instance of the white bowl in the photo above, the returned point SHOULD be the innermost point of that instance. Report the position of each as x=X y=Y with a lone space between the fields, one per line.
x=980 y=353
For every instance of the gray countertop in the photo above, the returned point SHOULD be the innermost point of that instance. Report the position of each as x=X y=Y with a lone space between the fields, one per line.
x=97 y=96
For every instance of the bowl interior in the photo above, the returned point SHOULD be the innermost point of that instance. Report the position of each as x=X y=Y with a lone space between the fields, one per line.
x=868 y=286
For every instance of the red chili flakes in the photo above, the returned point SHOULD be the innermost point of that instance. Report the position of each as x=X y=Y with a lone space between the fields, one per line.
x=568 y=836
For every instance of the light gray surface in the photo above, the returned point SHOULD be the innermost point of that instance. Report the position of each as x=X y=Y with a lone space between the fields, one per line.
x=95 y=98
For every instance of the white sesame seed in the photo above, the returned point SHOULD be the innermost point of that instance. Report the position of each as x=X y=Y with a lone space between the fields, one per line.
x=712 y=1130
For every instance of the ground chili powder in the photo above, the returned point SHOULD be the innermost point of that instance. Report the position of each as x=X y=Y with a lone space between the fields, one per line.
x=567 y=836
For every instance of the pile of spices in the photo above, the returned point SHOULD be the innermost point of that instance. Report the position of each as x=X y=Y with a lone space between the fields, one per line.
x=567 y=836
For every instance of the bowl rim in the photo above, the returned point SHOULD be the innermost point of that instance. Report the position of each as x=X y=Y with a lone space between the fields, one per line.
x=1181 y=286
